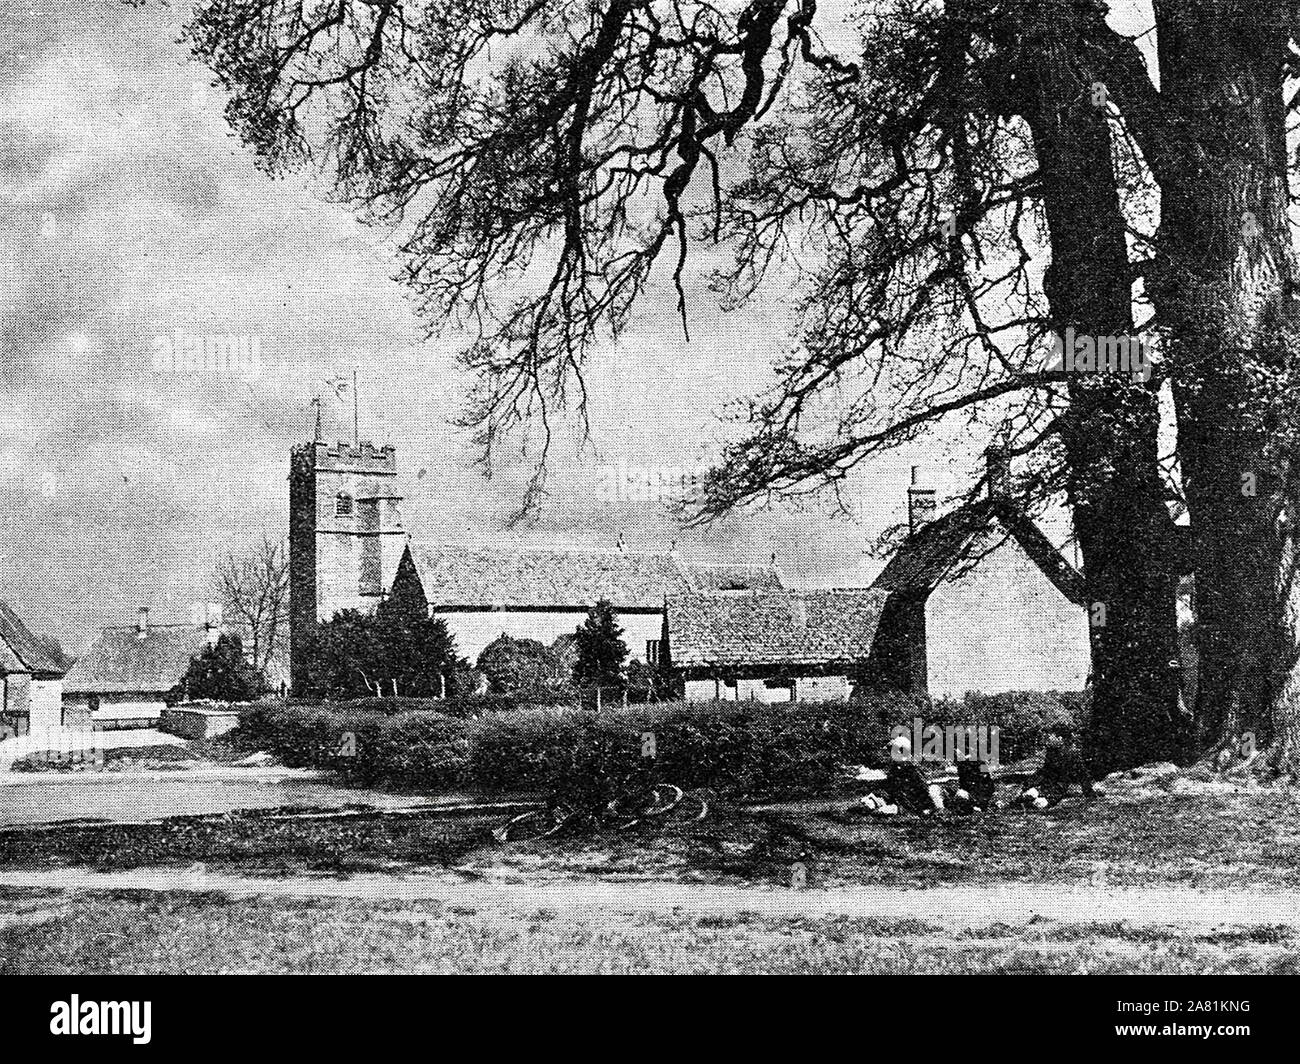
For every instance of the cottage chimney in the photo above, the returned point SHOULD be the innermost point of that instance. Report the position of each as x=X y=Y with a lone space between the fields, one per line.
x=998 y=471
x=142 y=622
x=921 y=503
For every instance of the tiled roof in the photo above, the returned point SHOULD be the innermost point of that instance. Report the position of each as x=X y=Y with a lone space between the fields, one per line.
x=120 y=660
x=961 y=537
x=773 y=627
x=493 y=577
x=728 y=577
x=25 y=649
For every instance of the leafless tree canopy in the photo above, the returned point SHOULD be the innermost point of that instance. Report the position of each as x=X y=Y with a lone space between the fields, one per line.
x=542 y=157
x=253 y=585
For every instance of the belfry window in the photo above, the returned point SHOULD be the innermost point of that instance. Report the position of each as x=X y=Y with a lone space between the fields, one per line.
x=343 y=505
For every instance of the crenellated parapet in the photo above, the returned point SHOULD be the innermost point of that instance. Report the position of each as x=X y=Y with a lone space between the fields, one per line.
x=364 y=457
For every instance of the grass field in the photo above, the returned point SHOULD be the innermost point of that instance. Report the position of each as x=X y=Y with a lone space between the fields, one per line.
x=1244 y=838
x=127 y=932
x=1213 y=837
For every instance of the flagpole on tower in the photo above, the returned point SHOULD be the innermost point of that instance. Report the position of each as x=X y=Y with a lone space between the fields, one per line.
x=356 y=433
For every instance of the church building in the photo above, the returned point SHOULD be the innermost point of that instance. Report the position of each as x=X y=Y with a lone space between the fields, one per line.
x=977 y=599
x=348 y=549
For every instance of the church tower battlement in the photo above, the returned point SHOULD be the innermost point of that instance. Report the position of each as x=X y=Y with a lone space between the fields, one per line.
x=345 y=532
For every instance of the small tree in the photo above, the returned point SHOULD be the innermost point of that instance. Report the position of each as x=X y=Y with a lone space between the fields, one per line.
x=465 y=681
x=339 y=660
x=220 y=673
x=524 y=668
x=253 y=586
x=644 y=683
x=417 y=654
x=601 y=651
x=354 y=655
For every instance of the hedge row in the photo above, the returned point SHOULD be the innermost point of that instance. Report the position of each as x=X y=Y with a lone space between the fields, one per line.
x=737 y=748
x=466 y=706
x=402 y=749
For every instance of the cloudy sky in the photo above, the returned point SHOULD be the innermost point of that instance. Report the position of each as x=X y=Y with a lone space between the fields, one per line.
x=129 y=211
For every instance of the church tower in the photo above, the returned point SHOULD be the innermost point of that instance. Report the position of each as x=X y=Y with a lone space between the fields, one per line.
x=345 y=533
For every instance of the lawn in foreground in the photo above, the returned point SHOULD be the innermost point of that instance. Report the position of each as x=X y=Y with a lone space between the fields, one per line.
x=1246 y=838
x=126 y=932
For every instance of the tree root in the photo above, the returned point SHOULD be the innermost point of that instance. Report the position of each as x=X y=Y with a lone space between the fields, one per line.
x=1238 y=759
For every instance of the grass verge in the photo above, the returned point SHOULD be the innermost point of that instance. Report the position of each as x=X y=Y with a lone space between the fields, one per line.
x=1247 y=839
x=126 y=932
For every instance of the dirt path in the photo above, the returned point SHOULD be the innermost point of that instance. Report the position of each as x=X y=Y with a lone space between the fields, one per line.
x=1011 y=903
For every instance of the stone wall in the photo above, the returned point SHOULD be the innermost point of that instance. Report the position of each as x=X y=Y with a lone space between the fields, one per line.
x=1003 y=626
x=112 y=708
x=46 y=703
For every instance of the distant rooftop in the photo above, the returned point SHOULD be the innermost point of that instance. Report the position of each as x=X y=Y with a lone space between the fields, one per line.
x=120 y=660
x=958 y=539
x=505 y=577
x=21 y=651
x=773 y=627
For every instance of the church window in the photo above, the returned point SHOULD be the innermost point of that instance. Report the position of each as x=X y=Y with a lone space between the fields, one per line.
x=343 y=505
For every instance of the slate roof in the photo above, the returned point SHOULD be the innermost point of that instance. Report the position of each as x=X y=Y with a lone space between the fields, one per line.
x=23 y=651
x=960 y=537
x=731 y=577
x=120 y=660
x=505 y=577
x=773 y=627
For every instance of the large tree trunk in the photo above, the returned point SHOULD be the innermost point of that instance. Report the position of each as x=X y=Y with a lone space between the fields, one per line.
x=1110 y=434
x=1224 y=291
